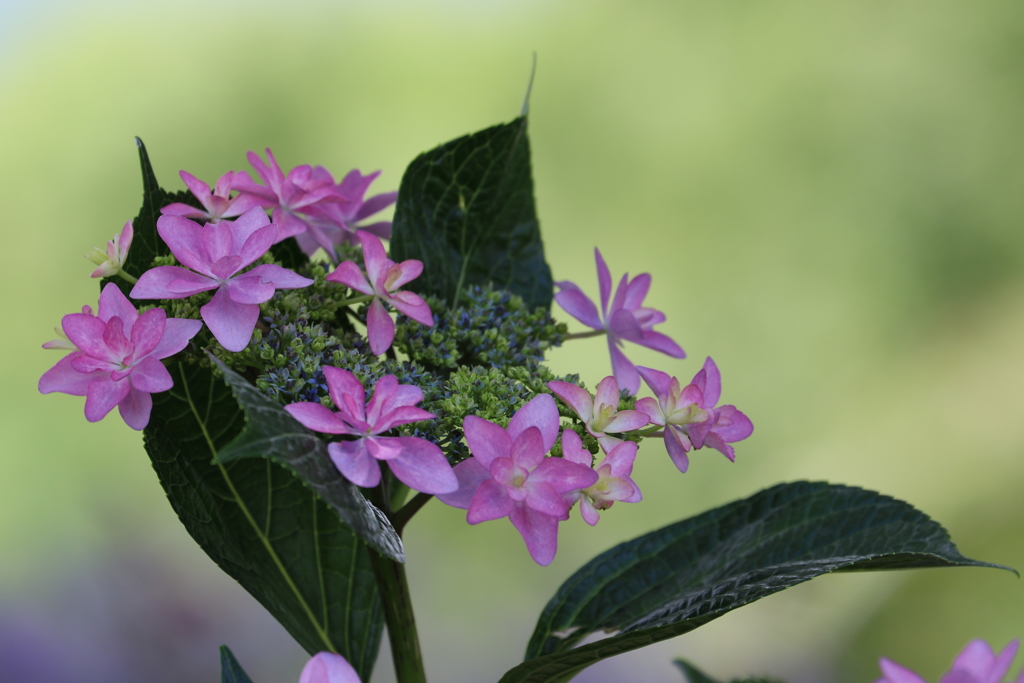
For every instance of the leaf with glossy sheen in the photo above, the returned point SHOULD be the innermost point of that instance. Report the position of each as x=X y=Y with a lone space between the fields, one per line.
x=466 y=210
x=261 y=524
x=270 y=432
x=675 y=579
x=230 y=670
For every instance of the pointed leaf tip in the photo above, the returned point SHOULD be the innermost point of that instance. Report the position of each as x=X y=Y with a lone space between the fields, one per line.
x=230 y=670
x=529 y=87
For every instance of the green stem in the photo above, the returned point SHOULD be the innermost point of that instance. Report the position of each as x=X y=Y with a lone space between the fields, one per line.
x=402 y=517
x=397 y=603
x=584 y=335
x=355 y=300
x=651 y=431
x=130 y=278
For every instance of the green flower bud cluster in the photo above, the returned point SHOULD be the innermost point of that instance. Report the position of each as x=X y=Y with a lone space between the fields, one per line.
x=490 y=327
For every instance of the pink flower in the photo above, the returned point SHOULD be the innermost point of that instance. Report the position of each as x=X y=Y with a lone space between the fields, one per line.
x=625 y=320
x=292 y=197
x=509 y=476
x=416 y=462
x=217 y=202
x=613 y=472
x=112 y=260
x=337 y=221
x=327 y=667
x=600 y=413
x=689 y=415
x=385 y=277
x=216 y=253
x=976 y=663
x=116 y=361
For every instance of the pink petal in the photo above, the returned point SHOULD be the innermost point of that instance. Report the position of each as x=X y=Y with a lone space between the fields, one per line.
x=470 y=474
x=231 y=323
x=542 y=497
x=177 y=333
x=486 y=440
x=732 y=425
x=354 y=462
x=171 y=282
x=327 y=667
x=402 y=273
x=577 y=304
x=423 y=467
x=383 y=393
x=402 y=415
x=713 y=440
x=620 y=459
x=412 y=306
x=349 y=274
x=114 y=304
x=627 y=421
x=318 y=417
x=894 y=673
x=573 y=450
x=184 y=211
x=540 y=532
x=620 y=296
x=280 y=278
x=383 y=447
x=86 y=332
x=712 y=383
x=64 y=378
x=623 y=369
x=150 y=375
x=604 y=280
x=376 y=203
x=135 y=408
x=490 y=501
x=249 y=289
x=102 y=395
x=677 y=444
x=381 y=229
x=528 y=448
x=624 y=326
x=607 y=393
x=636 y=291
x=380 y=328
x=197 y=187
x=247 y=224
x=652 y=410
x=185 y=240
x=659 y=382
x=290 y=225
x=218 y=241
x=374 y=257
x=148 y=331
x=342 y=385
x=660 y=342
x=588 y=512
x=578 y=398
x=257 y=244
x=540 y=412
x=563 y=475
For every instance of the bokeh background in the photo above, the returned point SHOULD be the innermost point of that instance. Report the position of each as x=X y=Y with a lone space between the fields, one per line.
x=829 y=197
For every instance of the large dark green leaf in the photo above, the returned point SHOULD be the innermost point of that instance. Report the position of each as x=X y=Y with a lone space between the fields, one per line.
x=270 y=432
x=261 y=524
x=147 y=243
x=466 y=210
x=230 y=670
x=682 y=576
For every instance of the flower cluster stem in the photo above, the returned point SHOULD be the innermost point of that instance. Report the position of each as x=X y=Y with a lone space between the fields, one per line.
x=130 y=278
x=584 y=335
x=397 y=603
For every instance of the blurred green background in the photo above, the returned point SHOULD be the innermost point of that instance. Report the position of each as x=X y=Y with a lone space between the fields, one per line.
x=829 y=198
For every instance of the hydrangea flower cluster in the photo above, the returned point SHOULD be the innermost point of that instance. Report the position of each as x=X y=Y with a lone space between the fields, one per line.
x=450 y=400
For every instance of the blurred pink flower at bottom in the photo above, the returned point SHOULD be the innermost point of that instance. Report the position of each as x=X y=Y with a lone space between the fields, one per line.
x=976 y=663
x=327 y=667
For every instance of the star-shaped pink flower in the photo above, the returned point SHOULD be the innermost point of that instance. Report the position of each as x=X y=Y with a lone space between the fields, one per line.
x=624 y=320
x=382 y=281
x=690 y=416
x=339 y=221
x=976 y=663
x=509 y=476
x=112 y=260
x=416 y=462
x=214 y=256
x=217 y=203
x=600 y=413
x=613 y=483
x=116 y=357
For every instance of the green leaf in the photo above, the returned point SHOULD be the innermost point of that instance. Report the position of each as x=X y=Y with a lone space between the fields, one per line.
x=466 y=210
x=270 y=432
x=230 y=670
x=692 y=673
x=146 y=244
x=672 y=580
x=261 y=524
